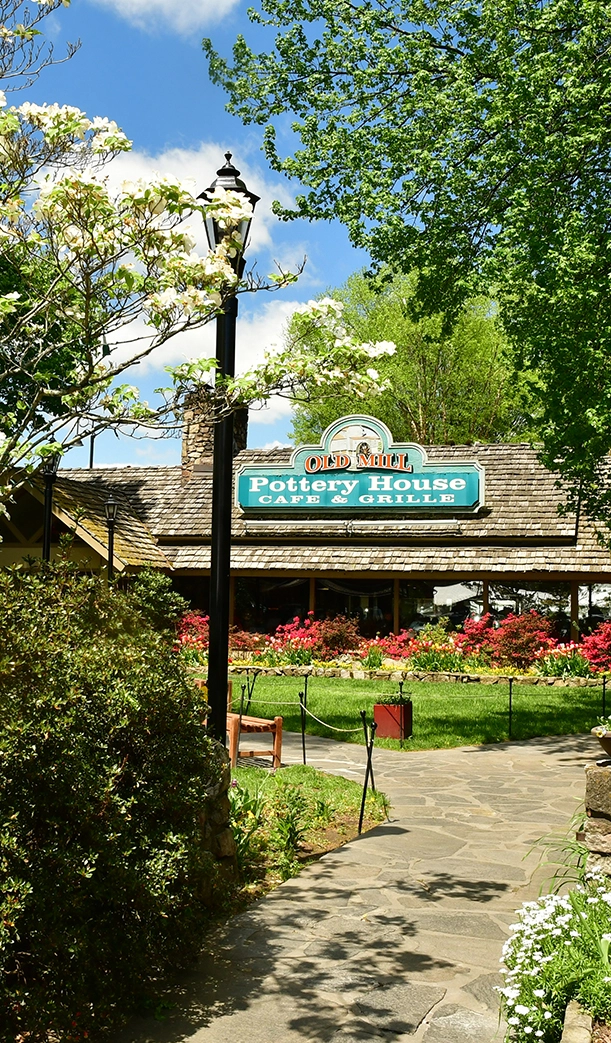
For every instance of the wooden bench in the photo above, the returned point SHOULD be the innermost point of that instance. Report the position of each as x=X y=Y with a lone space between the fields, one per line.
x=238 y=725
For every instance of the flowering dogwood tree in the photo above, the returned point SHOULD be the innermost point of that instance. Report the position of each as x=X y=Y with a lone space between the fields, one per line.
x=80 y=260
x=318 y=354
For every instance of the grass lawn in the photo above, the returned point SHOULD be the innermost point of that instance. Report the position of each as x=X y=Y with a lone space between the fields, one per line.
x=445 y=714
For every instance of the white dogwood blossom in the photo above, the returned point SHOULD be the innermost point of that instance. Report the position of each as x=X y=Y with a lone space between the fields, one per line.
x=90 y=257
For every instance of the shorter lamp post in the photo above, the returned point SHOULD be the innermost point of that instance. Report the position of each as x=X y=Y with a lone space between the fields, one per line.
x=111 y=508
x=49 y=473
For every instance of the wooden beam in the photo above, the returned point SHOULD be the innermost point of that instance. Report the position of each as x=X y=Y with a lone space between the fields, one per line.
x=312 y=595
x=17 y=533
x=395 y=605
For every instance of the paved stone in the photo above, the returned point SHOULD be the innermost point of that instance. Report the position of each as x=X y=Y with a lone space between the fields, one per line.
x=484 y=989
x=397 y=935
x=454 y=1024
x=400 y=1008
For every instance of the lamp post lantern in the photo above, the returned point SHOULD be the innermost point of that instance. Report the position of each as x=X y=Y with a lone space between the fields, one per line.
x=111 y=508
x=222 y=468
x=49 y=473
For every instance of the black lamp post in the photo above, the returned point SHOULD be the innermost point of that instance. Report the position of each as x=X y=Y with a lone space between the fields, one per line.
x=49 y=473
x=222 y=469
x=110 y=509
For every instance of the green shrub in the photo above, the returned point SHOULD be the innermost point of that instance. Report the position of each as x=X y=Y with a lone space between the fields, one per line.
x=103 y=767
x=154 y=595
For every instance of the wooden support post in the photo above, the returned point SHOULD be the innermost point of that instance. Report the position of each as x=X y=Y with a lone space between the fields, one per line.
x=312 y=599
x=485 y=597
x=575 y=636
x=395 y=605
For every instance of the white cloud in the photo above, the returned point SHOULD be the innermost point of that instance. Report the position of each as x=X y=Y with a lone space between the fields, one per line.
x=276 y=444
x=257 y=330
x=275 y=409
x=185 y=16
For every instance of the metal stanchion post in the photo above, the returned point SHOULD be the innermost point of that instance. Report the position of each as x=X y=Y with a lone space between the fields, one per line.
x=370 y=731
x=302 y=706
x=511 y=707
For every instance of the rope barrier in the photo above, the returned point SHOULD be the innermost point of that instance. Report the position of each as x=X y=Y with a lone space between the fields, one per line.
x=347 y=731
x=260 y=702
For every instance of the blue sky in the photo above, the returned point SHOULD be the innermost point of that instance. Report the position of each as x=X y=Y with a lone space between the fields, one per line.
x=141 y=64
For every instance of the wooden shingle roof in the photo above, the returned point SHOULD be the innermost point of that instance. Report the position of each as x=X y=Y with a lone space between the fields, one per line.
x=517 y=530
x=81 y=506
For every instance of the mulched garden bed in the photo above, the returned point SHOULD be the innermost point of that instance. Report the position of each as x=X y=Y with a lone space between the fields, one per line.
x=601 y=1033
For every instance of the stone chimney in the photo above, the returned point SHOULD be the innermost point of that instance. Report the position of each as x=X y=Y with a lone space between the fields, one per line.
x=198 y=434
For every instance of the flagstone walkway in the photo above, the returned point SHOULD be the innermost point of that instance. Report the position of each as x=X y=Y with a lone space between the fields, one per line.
x=397 y=935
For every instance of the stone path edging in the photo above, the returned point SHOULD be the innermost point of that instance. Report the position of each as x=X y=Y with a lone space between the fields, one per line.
x=577 y=1025
x=359 y=674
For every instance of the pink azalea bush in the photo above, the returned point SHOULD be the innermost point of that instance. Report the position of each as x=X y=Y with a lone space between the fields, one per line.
x=596 y=647
x=512 y=643
x=433 y=649
x=192 y=635
x=302 y=641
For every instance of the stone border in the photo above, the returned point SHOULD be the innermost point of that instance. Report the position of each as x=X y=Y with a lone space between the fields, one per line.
x=577 y=1025
x=358 y=674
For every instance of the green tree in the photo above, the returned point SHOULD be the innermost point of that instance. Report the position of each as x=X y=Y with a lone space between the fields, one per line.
x=441 y=387
x=469 y=141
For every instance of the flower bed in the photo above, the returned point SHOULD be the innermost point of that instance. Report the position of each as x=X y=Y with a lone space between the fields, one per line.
x=558 y=951
x=518 y=645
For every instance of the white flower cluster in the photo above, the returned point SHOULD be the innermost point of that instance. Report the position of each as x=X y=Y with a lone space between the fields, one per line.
x=542 y=944
x=197 y=286
x=229 y=208
x=326 y=315
x=66 y=121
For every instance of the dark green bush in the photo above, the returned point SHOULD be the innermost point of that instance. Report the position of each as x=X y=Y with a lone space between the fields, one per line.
x=103 y=767
x=156 y=598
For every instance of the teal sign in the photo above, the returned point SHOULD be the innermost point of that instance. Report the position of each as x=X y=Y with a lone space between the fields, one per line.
x=358 y=468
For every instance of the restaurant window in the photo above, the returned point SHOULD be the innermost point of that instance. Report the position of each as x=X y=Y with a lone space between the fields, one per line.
x=417 y=604
x=261 y=605
x=367 y=601
x=196 y=590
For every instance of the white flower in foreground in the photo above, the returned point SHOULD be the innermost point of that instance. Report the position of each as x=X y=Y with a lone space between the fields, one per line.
x=381 y=347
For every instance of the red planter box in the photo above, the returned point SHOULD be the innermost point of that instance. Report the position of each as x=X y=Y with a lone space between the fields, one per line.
x=394 y=722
